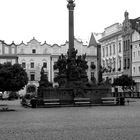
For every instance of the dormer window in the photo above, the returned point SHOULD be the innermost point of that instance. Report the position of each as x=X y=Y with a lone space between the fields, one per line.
x=33 y=50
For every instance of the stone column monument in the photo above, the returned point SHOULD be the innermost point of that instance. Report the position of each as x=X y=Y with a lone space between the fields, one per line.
x=70 y=7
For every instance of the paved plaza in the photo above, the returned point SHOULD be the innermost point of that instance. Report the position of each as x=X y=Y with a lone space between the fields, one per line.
x=71 y=123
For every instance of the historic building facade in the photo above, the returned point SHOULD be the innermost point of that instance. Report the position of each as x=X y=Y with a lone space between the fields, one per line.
x=112 y=51
x=33 y=55
x=131 y=41
x=8 y=52
x=127 y=39
x=136 y=57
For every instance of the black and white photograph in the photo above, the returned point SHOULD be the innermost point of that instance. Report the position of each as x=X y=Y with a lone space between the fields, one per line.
x=69 y=70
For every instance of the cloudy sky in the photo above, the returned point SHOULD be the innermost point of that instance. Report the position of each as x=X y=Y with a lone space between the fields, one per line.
x=47 y=20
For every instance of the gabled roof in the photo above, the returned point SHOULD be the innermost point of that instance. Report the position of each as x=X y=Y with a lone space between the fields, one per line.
x=92 y=41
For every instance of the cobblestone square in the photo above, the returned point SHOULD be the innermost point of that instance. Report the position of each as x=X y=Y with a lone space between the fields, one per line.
x=71 y=123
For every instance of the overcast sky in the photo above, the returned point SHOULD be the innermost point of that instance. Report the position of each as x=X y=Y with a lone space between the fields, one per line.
x=47 y=20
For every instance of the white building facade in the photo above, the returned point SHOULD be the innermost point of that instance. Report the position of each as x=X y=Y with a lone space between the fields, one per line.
x=112 y=51
x=136 y=58
x=8 y=53
x=33 y=55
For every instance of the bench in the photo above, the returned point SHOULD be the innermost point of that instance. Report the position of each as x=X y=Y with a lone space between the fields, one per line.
x=4 y=107
x=109 y=100
x=82 y=100
x=51 y=101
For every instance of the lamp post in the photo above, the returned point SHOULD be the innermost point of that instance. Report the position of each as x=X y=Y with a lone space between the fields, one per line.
x=70 y=7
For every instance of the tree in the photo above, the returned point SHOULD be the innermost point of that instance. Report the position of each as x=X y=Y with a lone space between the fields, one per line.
x=12 y=77
x=125 y=81
x=71 y=70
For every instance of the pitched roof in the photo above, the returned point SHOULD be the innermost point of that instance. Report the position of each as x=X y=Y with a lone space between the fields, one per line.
x=92 y=41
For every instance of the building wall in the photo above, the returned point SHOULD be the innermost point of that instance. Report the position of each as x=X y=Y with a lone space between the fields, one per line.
x=136 y=59
x=112 y=51
x=127 y=39
x=8 y=53
x=37 y=53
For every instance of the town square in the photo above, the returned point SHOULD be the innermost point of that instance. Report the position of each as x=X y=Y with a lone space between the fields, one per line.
x=78 y=90
x=71 y=123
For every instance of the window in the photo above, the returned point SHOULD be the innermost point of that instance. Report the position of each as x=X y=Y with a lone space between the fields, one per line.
x=33 y=50
x=32 y=64
x=6 y=50
x=134 y=69
x=124 y=63
x=120 y=63
x=55 y=65
x=119 y=46
x=32 y=77
x=128 y=44
x=106 y=51
x=92 y=63
x=110 y=50
x=113 y=48
x=55 y=75
x=124 y=45
x=45 y=64
x=103 y=51
x=92 y=74
x=134 y=54
x=128 y=63
x=23 y=65
x=138 y=53
x=114 y=65
x=13 y=50
x=139 y=68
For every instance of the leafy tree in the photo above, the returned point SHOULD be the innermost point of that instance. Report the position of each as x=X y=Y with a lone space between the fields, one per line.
x=125 y=81
x=71 y=70
x=31 y=89
x=19 y=77
x=12 y=77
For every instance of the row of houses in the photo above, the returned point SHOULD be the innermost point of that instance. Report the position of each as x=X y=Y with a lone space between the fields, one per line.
x=120 y=49
x=34 y=54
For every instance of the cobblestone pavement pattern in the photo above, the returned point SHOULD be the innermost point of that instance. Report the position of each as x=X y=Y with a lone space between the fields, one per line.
x=71 y=123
